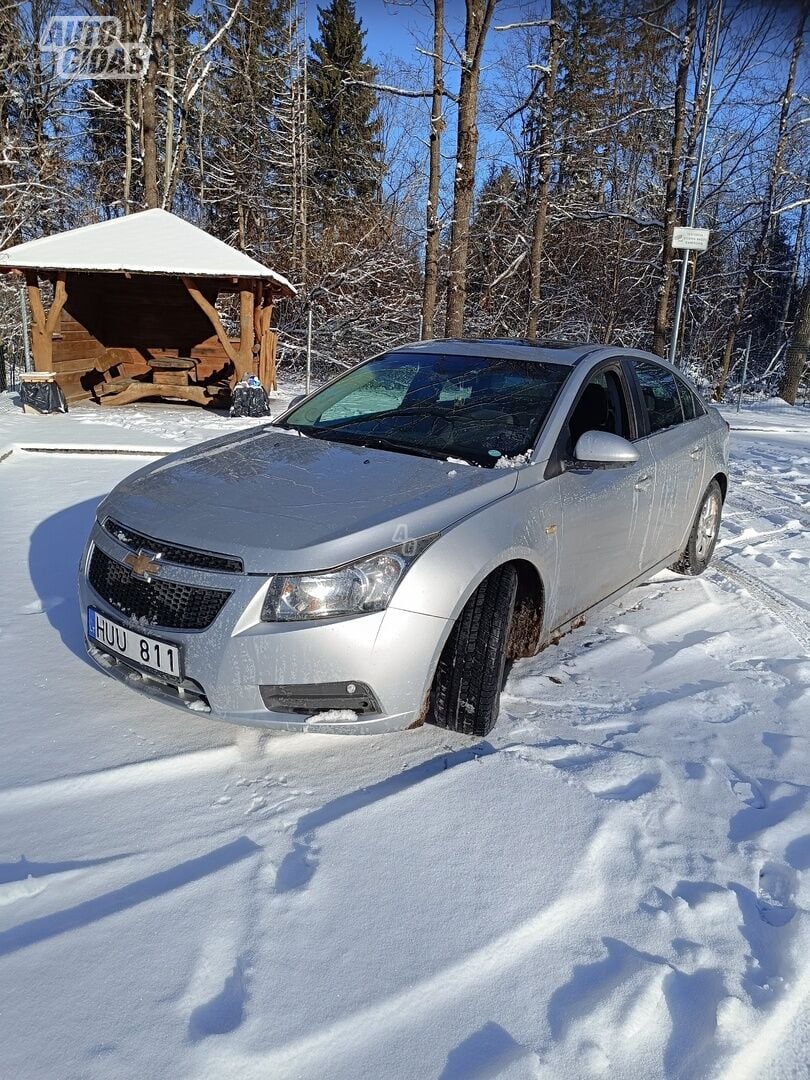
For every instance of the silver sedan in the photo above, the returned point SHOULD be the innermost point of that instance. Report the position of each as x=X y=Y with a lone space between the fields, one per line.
x=380 y=554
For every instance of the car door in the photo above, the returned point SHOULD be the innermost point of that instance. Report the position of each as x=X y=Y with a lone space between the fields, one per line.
x=603 y=510
x=677 y=442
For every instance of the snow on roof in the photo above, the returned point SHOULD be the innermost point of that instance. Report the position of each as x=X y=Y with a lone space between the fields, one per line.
x=150 y=242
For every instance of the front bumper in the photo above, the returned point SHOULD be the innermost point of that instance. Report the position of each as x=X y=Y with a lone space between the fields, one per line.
x=394 y=652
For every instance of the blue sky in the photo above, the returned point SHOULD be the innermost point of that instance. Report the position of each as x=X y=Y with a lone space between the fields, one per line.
x=394 y=29
x=389 y=26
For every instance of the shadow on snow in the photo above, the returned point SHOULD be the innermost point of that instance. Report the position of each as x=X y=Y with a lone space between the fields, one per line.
x=54 y=554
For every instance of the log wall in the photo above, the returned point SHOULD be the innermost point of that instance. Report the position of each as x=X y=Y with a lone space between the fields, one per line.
x=112 y=322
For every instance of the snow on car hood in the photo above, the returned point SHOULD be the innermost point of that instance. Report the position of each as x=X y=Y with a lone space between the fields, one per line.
x=283 y=502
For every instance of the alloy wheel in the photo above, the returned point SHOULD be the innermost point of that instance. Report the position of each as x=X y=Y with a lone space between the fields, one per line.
x=708 y=524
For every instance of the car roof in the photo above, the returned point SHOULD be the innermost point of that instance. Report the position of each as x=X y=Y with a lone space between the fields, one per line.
x=543 y=351
x=548 y=351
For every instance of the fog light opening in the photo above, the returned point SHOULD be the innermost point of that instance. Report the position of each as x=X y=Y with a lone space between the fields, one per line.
x=311 y=698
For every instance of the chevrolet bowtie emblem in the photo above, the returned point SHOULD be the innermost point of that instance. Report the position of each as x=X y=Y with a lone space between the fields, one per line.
x=143 y=565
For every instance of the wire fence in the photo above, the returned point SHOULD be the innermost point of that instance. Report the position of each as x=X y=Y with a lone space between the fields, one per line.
x=11 y=365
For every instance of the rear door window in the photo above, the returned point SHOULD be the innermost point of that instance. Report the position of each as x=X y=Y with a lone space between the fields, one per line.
x=659 y=394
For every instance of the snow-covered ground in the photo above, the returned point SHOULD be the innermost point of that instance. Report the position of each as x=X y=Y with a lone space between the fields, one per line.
x=616 y=883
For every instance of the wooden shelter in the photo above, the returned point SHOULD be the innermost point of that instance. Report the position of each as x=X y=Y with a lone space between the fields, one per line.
x=134 y=312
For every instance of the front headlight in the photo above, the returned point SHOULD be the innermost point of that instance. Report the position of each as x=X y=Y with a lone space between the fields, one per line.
x=355 y=589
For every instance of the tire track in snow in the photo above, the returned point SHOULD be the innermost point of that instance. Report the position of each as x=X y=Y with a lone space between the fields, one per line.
x=742 y=497
x=788 y=614
x=119 y=778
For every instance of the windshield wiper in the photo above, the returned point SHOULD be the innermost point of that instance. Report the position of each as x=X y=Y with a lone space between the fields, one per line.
x=380 y=442
x=373 y=442
x=415 y=410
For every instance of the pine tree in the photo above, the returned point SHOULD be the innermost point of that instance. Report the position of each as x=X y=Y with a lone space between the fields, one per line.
x=771 y=291
x=245 y=166
x=495 y=249
x=345 y=148
x=586 y=34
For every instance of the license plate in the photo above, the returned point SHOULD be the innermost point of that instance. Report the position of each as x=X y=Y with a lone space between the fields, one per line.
x=146 y=651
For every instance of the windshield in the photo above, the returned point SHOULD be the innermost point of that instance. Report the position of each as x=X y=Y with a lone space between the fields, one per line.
x=475 y=408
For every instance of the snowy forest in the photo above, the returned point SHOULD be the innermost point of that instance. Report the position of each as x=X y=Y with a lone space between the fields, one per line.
x=507 y=169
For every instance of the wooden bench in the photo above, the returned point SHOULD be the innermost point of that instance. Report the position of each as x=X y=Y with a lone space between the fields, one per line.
x=176 y=370
x=124 y=391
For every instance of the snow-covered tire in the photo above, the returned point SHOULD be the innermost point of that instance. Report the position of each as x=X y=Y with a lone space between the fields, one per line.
x=466 y=689
x=699 y=548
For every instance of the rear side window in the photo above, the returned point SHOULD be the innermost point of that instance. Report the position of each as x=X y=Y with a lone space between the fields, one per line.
x=659 y=393
x=692 y=406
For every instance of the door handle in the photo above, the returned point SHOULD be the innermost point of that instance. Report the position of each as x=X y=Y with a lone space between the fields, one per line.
x=642 y=482
x=696 y=451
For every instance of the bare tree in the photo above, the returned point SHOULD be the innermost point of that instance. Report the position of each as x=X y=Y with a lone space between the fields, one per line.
x=545 y=150
x=798 y=349
x=671 y=188
x=155 y=23
x=432 y=235
x=478 y=18
x=766 y=211
x=795 y=267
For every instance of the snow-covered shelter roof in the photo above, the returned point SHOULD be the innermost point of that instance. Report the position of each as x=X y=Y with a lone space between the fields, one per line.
x=149 y=242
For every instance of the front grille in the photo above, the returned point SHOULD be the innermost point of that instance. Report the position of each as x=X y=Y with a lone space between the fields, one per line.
x=158 y=603
x=173 y=553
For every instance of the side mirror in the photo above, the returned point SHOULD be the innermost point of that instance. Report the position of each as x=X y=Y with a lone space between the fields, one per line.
x=296 y=401
x=603 y=448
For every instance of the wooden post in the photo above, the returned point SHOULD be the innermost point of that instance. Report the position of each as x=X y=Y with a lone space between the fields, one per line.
x=247 y=335
x=26 y=330
x=38 y=348
x=267 y=344
x=257 y=311
x=202 y=302
x=42 y=325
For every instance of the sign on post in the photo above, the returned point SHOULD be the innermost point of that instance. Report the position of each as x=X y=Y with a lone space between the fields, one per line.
x=691 y=239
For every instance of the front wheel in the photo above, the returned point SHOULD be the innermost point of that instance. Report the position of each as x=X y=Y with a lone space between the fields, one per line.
x=700 y=546
x=466 y=689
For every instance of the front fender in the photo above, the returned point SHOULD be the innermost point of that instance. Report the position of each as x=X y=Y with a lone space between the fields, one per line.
x=520 y=526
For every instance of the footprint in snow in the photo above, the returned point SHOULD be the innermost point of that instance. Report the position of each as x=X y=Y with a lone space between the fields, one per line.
x=747 y=791
x=297 y=867
x=777 y=885
x=643 y=784
x=758 y=670
x=19 y=890
x=225 y=1011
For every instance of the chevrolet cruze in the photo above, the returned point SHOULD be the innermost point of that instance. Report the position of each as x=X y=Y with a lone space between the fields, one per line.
x=380 y=554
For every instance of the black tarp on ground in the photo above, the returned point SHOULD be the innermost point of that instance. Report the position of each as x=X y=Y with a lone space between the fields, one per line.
x=44 y=397
x=249 y=400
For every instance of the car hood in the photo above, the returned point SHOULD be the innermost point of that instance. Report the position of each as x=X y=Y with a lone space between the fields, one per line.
x=284 y=502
